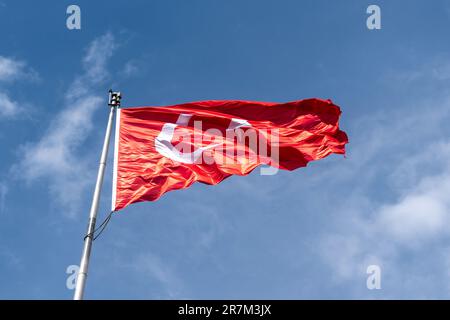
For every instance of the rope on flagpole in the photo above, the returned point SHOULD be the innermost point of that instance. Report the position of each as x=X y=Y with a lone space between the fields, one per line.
x=102 y=226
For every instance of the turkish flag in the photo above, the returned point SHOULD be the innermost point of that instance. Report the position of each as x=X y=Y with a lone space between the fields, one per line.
x=158 y=149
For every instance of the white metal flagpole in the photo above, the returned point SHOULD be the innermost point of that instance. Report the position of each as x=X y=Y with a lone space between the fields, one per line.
x=114 y=103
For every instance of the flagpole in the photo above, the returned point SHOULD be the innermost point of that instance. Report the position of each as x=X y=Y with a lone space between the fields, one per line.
x=113 y=103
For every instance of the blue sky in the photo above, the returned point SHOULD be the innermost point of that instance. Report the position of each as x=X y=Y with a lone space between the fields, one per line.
x=305 y=234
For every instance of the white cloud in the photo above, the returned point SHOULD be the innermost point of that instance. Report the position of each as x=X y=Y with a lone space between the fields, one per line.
x=422 y=209
x=54 y=153
x=94 y=64
x=399 y=205
x=56 y=156
x=12 y=69
x=130 y=69
x=8 y=107
x=421 y=215
x=339 y=250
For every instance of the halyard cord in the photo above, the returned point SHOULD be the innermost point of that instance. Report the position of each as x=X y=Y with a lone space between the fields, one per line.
x=102 y=226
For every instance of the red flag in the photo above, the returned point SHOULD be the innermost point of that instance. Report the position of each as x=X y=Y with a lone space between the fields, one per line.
x=159 y=149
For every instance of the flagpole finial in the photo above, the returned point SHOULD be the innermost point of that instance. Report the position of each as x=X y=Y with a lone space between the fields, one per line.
x=114 y=98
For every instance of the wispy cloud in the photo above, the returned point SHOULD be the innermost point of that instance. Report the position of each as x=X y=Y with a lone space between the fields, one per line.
x=406 y=214
x=56 y=156
x=95 y=67
x=150 y=266
x=130 y=68
x=437 y=69
x=8 y=107
x=422 y=214
x=10 y=71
